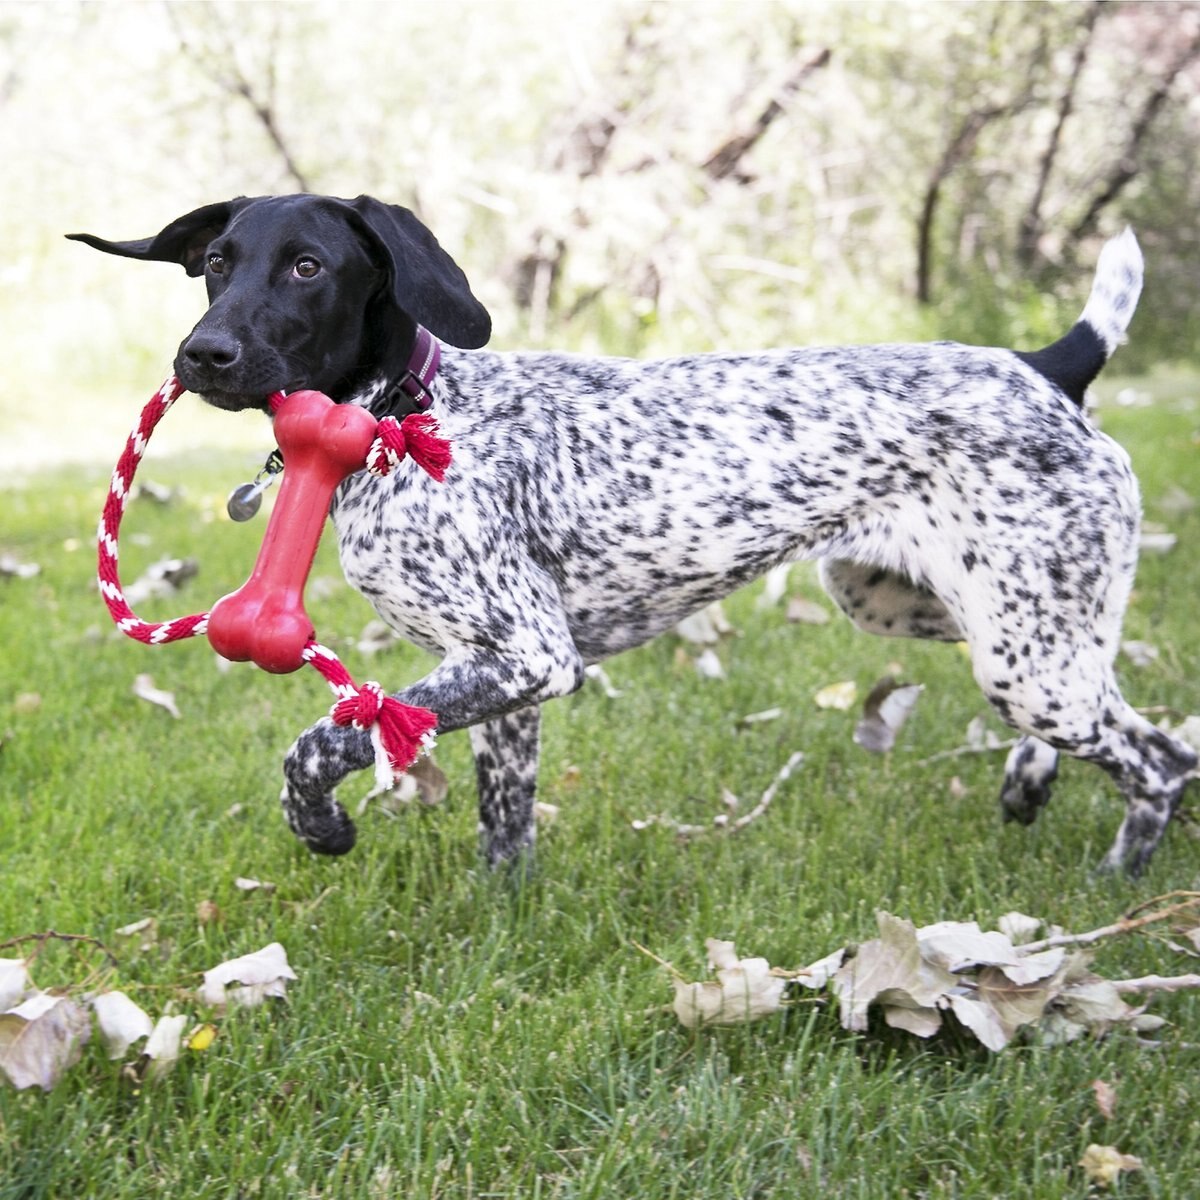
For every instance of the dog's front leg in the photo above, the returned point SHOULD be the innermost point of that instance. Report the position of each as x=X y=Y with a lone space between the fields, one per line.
x=472 y=686
x=506 y=767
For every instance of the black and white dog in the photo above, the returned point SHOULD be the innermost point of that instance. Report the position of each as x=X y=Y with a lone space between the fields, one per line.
x=949 y=491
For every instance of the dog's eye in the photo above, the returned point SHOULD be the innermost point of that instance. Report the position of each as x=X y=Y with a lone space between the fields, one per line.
x=306 y=268
x=216 y=264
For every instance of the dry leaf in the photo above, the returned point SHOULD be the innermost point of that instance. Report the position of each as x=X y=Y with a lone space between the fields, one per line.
x=263 y=974
x=16 y=569
x=1102 y=1164
x=120 y=1021
x=161 y=579
x=208 y=912
x=42 y=1038
x=744 y=990
x=1106 y=1098
x=376 y=636
x=1141 y=654
x=706 y=627
x=709 y=665
x=888 y=970
x=775 y=583
x=597 y=673
x=27 y=702
x=163 y=1046
x=252 y=885
x=201 y=1037
x=144 y=689
x=884 y=712
x=837 y=695
x=760 y=718
x=142 y=935
x=806 y=612
x=14 y=981
x=543 y=813
x=1018 y=928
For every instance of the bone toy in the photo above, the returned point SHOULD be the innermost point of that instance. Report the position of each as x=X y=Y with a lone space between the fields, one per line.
x=264 y=621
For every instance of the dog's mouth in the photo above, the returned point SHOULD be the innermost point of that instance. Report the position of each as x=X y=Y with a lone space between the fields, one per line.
x=235 y=401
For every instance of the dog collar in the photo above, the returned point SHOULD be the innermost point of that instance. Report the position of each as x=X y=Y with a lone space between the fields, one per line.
x=410 y=393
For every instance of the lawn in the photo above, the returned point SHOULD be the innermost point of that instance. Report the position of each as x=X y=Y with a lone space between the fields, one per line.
x=452 y=1033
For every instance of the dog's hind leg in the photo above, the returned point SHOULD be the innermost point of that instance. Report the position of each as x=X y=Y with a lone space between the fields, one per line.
x=506 y=766
x=1068 y=700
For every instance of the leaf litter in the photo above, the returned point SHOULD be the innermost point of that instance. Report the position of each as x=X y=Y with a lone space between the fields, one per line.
x=994 y=984
x=43 y=1032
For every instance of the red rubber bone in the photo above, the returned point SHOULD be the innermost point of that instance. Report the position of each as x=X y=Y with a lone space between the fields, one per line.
x=264 y=621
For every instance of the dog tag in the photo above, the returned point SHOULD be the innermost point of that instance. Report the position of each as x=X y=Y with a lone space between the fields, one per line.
x=246 y=499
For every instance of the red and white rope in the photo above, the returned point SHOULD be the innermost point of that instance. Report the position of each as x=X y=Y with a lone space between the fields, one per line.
x=399 y=732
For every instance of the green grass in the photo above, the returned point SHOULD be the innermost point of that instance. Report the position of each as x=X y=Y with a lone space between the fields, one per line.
x=454 y=1035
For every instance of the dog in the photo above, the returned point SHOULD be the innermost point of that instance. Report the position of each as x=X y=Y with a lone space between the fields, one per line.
x=950 y=492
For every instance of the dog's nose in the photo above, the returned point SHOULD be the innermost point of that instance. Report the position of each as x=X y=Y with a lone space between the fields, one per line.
x=211 y=351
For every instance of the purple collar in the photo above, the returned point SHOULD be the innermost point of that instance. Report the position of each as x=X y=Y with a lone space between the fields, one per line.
x=411 y=391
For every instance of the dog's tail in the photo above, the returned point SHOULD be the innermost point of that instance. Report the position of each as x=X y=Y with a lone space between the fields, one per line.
x=1074 y=361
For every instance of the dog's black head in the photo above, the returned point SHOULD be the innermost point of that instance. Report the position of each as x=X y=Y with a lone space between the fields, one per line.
x=308 y=292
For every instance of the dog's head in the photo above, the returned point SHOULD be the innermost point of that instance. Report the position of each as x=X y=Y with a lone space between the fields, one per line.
x=308 y=292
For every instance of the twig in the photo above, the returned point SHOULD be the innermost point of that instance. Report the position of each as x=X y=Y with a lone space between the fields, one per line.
x=1126 y=924
x=954 y=753
x=721 y=822
x=1158 y=983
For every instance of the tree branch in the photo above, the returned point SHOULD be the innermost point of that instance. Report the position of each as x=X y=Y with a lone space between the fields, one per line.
x=724 y=161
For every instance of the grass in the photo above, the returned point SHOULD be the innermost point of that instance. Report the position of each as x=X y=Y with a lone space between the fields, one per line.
x=452 y=1034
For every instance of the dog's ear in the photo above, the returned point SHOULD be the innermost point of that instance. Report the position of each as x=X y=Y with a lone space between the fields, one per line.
x=426 y=282
x=183 y=241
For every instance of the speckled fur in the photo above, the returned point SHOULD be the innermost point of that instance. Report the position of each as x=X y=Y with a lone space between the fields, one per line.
x=950 y=492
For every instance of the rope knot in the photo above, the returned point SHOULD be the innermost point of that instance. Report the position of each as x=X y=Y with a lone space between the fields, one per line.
x=417 y=436
x=361 y=709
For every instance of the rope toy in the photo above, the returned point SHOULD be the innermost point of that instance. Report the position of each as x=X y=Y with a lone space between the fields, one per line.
x=264 y=621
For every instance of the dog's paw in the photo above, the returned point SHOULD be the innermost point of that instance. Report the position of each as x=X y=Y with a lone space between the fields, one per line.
x=320 y=822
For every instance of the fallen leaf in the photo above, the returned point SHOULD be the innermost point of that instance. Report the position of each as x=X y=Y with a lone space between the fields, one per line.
x=543 y=813
x=263 y=974
x=884 y=712
x=775 y=583
x=201 y=1037
x=1102 y=1164
x=837 y=695
x=744 y=990
x=163 y=1046
x=803 y=611
x=1141 y=654
x=598 y=674
x=161 y=579
x=27 y=702
x=142 y=934
x=1018 y=928
x=957 y=945
x=709 y=665
x=120 y=1022
x=252 y=885
x=376 y=636
x=14 y=981
x=156 y=493
x=42 y=1038
x=760 y=718
x=15 y=569
x=706 y=627
x=888 y=970
x=1153 y=542
x=144 y=689
x=1106 y=1098
x=208 y=912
